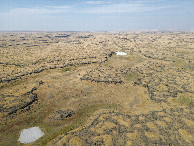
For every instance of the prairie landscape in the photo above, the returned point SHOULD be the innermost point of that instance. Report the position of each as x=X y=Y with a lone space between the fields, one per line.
x=76 y=88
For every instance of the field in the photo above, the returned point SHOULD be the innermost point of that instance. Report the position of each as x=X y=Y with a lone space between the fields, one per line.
x=79 y=92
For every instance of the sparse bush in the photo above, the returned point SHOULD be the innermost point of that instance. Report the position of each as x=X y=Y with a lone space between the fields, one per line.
x=184 y=100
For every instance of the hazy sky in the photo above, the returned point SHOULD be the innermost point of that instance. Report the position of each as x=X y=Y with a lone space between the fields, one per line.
x=99 y=15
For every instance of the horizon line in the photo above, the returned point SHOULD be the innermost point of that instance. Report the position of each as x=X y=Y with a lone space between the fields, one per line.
x=143 y=30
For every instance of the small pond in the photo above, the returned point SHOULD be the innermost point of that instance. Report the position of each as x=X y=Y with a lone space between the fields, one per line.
x=30 y=135
x=121 y=53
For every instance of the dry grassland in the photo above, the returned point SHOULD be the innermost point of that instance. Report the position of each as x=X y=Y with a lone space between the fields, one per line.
x=79 y=92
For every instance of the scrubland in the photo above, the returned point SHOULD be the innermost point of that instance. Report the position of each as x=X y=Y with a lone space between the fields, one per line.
x=79 y=92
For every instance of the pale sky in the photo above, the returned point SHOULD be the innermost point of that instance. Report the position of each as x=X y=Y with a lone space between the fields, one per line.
x=99 y=15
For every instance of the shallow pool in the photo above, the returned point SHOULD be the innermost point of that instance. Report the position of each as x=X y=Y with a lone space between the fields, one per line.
x=121 y=53
x=30 y=135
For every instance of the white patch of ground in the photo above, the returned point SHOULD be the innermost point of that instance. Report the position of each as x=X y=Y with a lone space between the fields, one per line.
x=30 y=135
x=121 y=53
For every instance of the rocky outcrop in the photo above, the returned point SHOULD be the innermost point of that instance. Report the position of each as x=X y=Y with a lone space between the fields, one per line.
x=161 y=84
x=58 y=64
x=62 y=114
x=104 y=74
x=10 y=104
x=166 y=127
